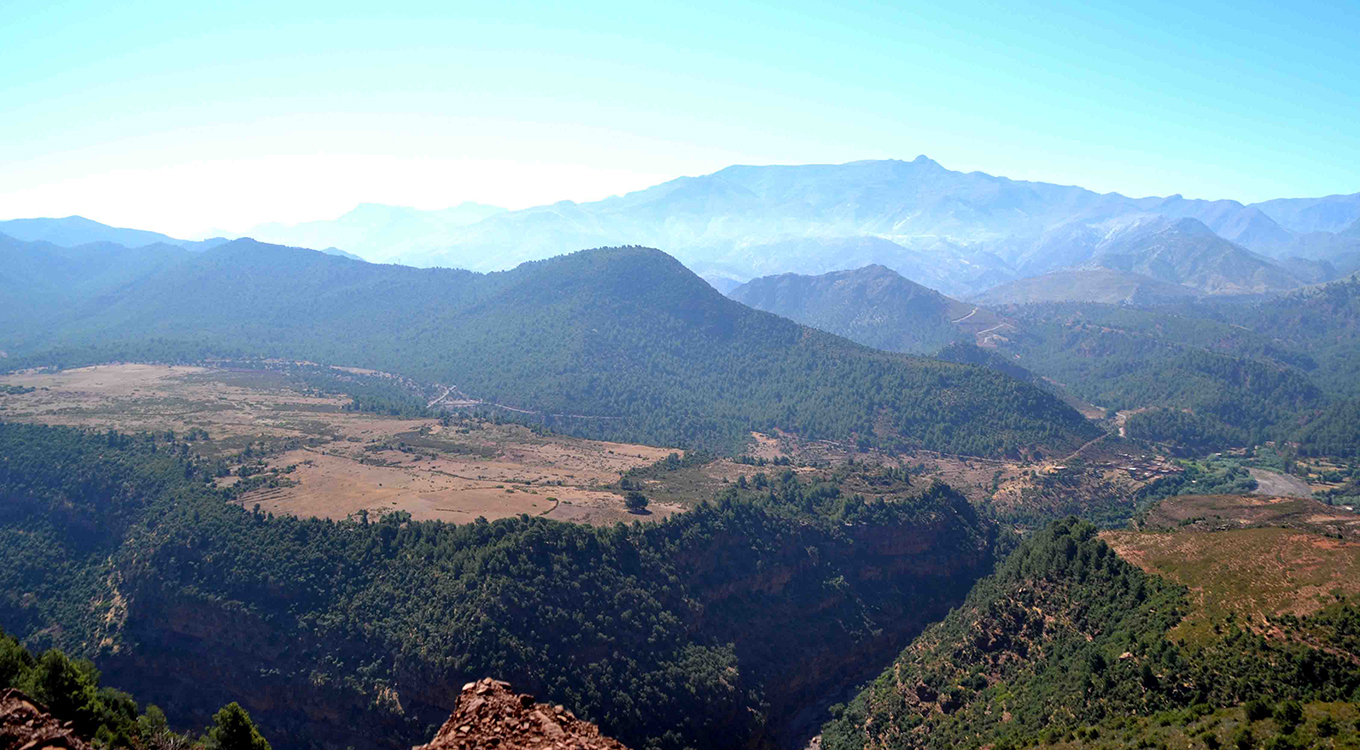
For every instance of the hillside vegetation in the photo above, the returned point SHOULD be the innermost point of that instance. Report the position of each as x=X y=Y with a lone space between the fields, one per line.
x=1209 y=381
x=1201 y=375
x=1068 y=635
x=70 y=690
x=712 y=629
x=620 y=343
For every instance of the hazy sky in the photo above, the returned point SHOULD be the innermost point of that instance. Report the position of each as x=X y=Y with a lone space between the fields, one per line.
x=182 y=117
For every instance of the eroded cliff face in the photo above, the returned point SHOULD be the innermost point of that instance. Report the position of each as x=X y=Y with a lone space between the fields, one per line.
x=190 y=655
x=808 y=613
x=891 y=580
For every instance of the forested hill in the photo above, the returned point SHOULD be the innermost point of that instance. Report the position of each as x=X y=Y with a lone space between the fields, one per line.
x=40 y=282
x=616 y=342
x=874 y=306
x=1068 y=640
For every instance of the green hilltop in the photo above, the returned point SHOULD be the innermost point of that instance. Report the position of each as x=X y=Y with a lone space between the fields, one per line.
x=619 y=343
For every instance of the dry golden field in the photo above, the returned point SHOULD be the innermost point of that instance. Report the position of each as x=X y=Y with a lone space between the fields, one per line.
x=345 y=462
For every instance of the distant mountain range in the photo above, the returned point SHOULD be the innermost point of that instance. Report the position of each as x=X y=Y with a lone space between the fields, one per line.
x=77 y=231
x=1333 y=213
x=957 y=232
x=73 y=231
x=960 y=233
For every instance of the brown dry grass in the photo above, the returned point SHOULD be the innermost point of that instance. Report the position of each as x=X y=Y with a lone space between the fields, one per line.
x=135 y=397
x=1222 y=512
x=492 y=471
x=1252 y=572
x=339 y=480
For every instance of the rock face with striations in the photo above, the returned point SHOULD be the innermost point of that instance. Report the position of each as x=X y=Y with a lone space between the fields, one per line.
x=489 y=715
x=25 y=724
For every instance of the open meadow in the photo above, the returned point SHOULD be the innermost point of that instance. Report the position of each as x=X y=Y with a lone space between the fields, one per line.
x=333 y=462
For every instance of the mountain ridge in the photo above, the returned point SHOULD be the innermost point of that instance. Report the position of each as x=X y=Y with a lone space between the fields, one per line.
x=873 y=305
x=1106 y=285
x=958 y=232
x=735 y=222
x=612 y=335
x=73 y=231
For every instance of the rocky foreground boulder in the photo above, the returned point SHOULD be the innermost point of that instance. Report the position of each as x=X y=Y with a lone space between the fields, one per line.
x=490 y=715
x=25 y=724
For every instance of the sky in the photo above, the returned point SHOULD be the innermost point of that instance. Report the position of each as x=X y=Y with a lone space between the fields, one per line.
x=188 y=118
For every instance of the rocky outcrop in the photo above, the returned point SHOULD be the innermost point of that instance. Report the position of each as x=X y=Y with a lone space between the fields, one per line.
x=25 y=724
x=489 y=715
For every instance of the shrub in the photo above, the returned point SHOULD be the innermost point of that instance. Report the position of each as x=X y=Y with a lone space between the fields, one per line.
x=1289 y=714
x=233 y=730
x=635 y=501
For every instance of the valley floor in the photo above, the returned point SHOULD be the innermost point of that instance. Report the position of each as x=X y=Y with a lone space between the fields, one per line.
x=333 y=463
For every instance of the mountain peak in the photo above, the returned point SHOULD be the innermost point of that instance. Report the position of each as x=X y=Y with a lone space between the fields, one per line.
x=1192 y=226
x=878 y=268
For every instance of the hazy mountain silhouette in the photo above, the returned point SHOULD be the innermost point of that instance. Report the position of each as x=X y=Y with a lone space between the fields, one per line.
x=1332 y=213
x=957 y=232
x=73 y=231
x=1086 y=285
x=874 y=306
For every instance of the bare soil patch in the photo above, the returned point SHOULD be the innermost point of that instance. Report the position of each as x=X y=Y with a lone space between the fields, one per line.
x=1225 y=512
x=1252 y=573
x=1273 y=483
x=341 y=480
x=346 y=462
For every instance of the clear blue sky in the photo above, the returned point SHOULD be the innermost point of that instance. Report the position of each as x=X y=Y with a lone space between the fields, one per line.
x=182 y=117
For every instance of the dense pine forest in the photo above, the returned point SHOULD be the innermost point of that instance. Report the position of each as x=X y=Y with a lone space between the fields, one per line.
x=702 y=631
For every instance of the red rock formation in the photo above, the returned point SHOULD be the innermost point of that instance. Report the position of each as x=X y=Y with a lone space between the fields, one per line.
x=25 y=724
x=488 y=715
